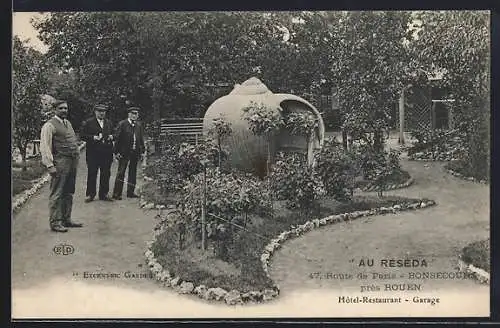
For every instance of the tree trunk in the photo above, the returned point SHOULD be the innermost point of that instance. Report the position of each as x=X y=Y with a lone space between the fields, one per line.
x=344 y=139
x=378 y=142
x=220 y=150
x=268 y=177
x=157 y=85
x=23 y=150
x=268 y=156
x=310 y=153
x=23 y=155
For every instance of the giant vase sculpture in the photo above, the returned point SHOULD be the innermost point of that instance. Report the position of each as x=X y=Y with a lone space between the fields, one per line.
x=248 y=151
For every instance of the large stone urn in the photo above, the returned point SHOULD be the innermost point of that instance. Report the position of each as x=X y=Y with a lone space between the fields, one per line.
x=248 y=151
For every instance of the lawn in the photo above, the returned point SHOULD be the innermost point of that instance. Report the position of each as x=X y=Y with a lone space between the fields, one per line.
x=23 y=180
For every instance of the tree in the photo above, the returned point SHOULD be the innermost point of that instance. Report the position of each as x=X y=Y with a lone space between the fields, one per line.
x=457 y=42
x=220 y=130
x=369 y=69
x=158 y=60
x=28 y=85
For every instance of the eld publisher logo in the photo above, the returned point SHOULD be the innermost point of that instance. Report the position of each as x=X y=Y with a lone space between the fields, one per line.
x=63 y=249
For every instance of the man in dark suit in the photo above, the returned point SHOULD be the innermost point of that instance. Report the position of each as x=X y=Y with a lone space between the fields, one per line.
x=98 y=133
x=129 y=150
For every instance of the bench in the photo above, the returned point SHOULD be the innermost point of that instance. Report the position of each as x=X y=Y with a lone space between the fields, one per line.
x=190 y=129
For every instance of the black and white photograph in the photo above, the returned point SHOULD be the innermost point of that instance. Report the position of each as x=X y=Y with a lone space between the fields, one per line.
x=250 y=164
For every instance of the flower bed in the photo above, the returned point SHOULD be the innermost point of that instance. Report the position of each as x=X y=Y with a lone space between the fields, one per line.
x=400 y=180
x=431 y=157
x=247 y=216
x=457 y=169
x=276 y=232
x=31 y=188
x=475 y=259
x=438 y=145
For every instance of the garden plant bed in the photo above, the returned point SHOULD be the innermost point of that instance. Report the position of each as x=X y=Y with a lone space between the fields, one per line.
x=244 y=278
x=458 y=169
x=475 y=259
x=397 y=180
x=437 y=146
x=23 y=180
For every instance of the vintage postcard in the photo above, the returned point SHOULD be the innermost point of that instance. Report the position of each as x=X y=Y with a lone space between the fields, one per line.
x=326 y=164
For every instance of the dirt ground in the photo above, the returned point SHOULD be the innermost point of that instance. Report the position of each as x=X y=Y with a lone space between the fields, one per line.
x=113 y=241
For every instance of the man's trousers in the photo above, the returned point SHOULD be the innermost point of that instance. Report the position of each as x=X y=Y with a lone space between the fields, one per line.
x=129 y=160
x=62 y=188
x=98 y=162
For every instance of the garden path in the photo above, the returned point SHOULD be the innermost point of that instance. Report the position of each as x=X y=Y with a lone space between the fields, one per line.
x=436 y=234
x=114 y=235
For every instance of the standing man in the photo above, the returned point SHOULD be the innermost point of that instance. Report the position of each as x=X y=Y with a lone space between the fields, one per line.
x=98 y=133
x=129 y=150
x=60 y=154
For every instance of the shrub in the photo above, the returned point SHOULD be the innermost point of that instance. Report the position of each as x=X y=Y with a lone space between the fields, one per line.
x=220 y=130
x=296 y=182
x=385 y=172
x=263 y=120
x=229 y=196
x=180 y=162
x=301 y=124
x=368 y=159
x=478 y=254
x=438 y=144
x=337 y=169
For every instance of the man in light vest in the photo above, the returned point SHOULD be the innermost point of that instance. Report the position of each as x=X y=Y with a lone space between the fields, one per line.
x=60 y=154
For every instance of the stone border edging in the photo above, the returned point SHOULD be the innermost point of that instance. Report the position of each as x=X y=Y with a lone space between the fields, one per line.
x=234 y=296
x=463 y=177
x=27 y=194
x=420 y=159
x=405 y=184
x=479 y=274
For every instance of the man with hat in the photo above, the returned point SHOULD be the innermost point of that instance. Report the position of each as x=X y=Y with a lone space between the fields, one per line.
x=97 y=131
x=129 y=150
x=60 y=154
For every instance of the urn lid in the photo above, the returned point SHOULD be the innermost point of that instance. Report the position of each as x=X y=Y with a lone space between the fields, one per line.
x=252 y=86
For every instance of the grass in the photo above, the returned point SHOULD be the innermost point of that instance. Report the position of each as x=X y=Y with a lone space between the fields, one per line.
x=243 y=270
x=23 y=180
x=478 y=254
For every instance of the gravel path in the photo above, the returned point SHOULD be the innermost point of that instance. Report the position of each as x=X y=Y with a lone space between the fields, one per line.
x=436 y=234
x=114 y=235
x=112 y=239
